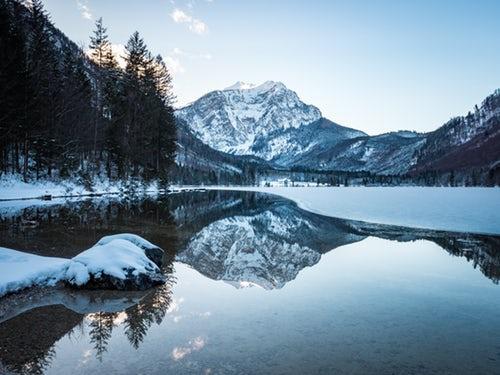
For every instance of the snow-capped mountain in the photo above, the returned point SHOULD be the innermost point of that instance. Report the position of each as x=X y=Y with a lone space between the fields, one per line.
x=253 y=239
x=240 y=251
x=270 y=122
x=267 y=120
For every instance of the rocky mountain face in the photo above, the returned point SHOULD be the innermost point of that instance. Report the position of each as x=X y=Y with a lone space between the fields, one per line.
x=268 y=121
x=391 y=153
x=271 y=123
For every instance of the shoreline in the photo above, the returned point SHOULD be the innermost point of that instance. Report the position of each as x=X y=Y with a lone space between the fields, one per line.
x=457 y=209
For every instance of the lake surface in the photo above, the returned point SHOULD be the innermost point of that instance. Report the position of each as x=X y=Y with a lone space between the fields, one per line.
x=256 y=285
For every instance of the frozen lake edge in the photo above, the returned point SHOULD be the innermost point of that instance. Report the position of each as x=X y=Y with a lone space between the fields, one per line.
x=457 y=209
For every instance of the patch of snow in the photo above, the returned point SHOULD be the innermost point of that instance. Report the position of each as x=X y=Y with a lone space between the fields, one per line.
x=134 y=238
x=241 y=86
x=13 y=187
x=19 y=270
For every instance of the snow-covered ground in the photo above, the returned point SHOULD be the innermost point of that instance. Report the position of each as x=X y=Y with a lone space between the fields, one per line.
x=12 y=187
x=110 y=256
x=475 y=210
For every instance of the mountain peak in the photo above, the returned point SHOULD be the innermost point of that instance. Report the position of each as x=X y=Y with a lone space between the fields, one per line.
x=243 y=116
x=240 y=85
x=266 y=86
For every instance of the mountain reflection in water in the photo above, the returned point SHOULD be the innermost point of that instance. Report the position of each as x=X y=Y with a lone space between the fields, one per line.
x=242 y=238
x=238 y=237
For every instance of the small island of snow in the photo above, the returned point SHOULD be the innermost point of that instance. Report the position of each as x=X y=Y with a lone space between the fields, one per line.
x=122 y=261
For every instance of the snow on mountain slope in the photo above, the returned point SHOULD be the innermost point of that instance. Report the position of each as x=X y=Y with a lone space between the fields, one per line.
x=235 y=250
x=248 y=119
x=241 y=86
x=465 y=141
x=270 y=122
x=390 y=153
x=288 y=147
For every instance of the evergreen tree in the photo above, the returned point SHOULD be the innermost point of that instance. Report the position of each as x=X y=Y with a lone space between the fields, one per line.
x=102 y=55
x=42 y=72
x=62 y=114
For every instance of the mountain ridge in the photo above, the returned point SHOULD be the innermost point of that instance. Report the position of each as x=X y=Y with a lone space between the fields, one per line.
x=311 y=141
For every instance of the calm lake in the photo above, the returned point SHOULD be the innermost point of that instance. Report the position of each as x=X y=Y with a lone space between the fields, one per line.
x=256 y=285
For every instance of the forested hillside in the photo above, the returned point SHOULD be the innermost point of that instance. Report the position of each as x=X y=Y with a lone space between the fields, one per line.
x=66 y=112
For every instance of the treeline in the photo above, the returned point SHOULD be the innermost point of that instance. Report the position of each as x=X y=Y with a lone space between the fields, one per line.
x=452 y=178
x=65 y=113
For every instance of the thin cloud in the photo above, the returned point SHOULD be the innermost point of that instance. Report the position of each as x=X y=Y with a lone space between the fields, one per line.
x=84 y=9
x=174 y=65
x=195 y=25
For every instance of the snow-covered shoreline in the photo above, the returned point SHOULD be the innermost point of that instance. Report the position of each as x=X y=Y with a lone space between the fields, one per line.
x=13 y=188
x=458 y=209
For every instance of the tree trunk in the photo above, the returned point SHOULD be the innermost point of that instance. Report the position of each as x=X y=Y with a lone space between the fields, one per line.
x=26 y=151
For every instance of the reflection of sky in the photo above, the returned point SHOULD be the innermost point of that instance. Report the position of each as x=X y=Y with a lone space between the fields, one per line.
x=375 y=303
x=194 y=345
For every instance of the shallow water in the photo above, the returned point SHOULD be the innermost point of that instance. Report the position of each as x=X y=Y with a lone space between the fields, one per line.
x=257 y=285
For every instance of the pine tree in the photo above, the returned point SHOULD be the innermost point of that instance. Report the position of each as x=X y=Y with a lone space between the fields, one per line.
x=13 y=86
x=102 y=56
x=42 y=72
x=62 y=112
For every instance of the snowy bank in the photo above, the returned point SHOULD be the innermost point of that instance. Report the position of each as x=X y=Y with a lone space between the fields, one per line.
x=472 y=210
x=115 y=262
x=20 y=270
x=13 y=187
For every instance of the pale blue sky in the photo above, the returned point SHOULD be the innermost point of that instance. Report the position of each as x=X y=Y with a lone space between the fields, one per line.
x=373 y=65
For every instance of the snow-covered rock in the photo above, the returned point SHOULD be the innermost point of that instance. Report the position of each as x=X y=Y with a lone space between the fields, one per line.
x=115 y=262
x=153 y=252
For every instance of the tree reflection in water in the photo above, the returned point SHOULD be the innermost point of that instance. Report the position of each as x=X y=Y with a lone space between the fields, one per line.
x=136 y=320
x=27 y=341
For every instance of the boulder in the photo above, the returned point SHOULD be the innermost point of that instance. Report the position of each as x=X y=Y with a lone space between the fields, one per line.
x=115 y=262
